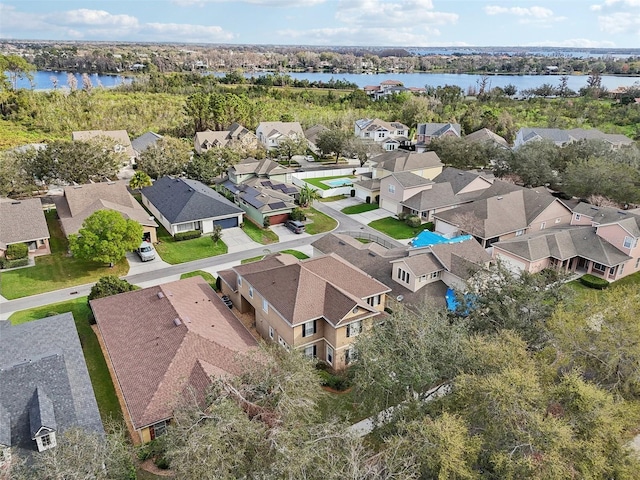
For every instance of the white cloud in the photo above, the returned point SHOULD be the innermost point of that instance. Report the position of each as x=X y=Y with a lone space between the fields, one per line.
x=535 y=12
x=87 y=17
x=620 y=22
x=185 y=32
x=399 y=13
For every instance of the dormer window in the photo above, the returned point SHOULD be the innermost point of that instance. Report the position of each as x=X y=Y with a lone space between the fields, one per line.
x=630 y=242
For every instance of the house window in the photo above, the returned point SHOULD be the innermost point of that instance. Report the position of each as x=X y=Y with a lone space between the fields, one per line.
x=239 y=281
x=355 y=309
x=309 y=328
x=353 y=329
x=403 y=275
x=543 y=225
x=159 y=428
x=329 y=354
x=578 y=216
x=638 y=263
x=392 y=188
x=250 y=291
x=599 y=267
x=310 y=351
x=283 y=343
x=519 y=232
x=270 y=332
x=46 y=441
x=380 y=134
x=349 y=355
x=374 y=301
x=265 y=305
x=435 y=274
x=185 y=227
x=629 y=242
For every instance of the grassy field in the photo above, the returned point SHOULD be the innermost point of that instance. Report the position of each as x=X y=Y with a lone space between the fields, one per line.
x=257 y=234
x=98 y=371
x=55 y=271
x=180 y=252
x=361 y=208
x=320 y=222
x=396 y=228
x=317 y=182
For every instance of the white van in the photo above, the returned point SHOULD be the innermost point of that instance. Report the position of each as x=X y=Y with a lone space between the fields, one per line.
x=146 y=251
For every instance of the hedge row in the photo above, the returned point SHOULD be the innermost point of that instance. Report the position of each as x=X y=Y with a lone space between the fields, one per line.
x=19 y=262
x=592 y=281
x=187 y=235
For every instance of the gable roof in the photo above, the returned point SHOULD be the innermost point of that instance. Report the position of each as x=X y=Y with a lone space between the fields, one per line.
x=486 y=135
x=604 y=215
x=459 y=179
x=80 y=201
x=22 y=221
x=183 y=200
x=264 y=167
x=462 y=259
x=564 y=136
x=312 y=133
x=276 y=129
x=213 y=138
x=155 y=356
x=377 y=124
x=145 y=141
x=325 y=286
x=437 y=129
x=120 y=137
x=45 y=382
x=401 y=161
x=409 y=179
x=263 y=199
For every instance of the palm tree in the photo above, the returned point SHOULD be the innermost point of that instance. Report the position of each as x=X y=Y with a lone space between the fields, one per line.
x=308 y=195
x=139 y=180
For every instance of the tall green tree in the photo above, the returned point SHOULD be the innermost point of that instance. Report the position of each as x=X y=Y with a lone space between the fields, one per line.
x=290 y=146
x=168 y=156
x=333 y=142
x=197 y=109
x=13 y=68
x=139 y=180
x=105 y=237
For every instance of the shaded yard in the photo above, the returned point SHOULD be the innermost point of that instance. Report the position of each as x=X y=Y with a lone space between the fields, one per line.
x=96 y=364
x=180 y=252
x=396 y=228
x=55 y=271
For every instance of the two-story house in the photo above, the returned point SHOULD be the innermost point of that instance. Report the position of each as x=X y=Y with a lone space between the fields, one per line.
x=235 y=135
x=391 y=135
x=562 y=138
x=426 y=132
x=270 y=134
x=316 y=305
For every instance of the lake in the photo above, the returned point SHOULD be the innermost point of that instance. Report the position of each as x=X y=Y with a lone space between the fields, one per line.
x=43 y=80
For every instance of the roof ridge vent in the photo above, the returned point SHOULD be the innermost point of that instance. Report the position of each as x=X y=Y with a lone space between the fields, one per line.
x=160 y=294
x=500 y=198
x=177 y=322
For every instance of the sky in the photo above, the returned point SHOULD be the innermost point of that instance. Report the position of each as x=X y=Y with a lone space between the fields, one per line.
x=403 y=23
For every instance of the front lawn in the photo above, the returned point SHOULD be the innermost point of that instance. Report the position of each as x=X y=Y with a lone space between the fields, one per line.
x=180 y=252
x=360 y=208
x=396 y=228
x=55 y=271
x=98 y=372
x=299 y=255
x=317 y=182
x=210 y=279
x=257 y=234
x=320 y=222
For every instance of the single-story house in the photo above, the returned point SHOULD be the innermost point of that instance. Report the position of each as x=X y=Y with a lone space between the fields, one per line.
x=80 y=201
x=164 y=344
x=262 y=204
x=182 y=205
x=44 y=385
x=23 y=221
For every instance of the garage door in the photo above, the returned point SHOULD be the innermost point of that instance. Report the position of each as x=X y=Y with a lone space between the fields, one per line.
x=227 y=222
x=277 y=219
x=512 y=264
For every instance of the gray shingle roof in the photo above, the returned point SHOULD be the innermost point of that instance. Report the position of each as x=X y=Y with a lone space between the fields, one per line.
x=144 y=141
x=43 y=359
x=41 y=413
x=605 y=215
x=486 y=135
x=21 y=221
x=410 y=180
x=401 y=161
x=437 y=129
x=183 y=200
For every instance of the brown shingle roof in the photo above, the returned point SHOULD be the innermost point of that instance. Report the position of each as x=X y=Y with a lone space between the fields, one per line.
x=154 y=356
x=21 y=221
x=120 y=137
x=79 y=202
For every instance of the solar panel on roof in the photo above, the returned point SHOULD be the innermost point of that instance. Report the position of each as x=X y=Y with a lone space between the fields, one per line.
x=277 y=205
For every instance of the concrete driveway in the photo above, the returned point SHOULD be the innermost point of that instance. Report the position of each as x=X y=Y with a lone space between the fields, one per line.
x=138 y=266
x=237 y=240
x=284 y=234
x=364 y=218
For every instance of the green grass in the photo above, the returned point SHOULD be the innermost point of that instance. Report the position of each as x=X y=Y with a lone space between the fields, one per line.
x=257 y=234
x=96 y=364
x=317 y=182
x=340 y=405
x=320 y=222
x=396 y=228
x=299 y=255
x=252 y=259
x=360 y=208
x=55 y=271
x=211 y=280
x=332 y=199
x=188 y=250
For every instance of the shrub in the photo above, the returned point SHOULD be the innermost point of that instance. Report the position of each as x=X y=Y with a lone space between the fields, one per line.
x=592 y=281
x=109 y=285
x=17 y=251
x=20 y=262
x=218 y=284
x=402 y=216
x=413 y=221
x=266 y=222
x=297 y=214
x=162 y=462
x=188 y=235
x=430 y=226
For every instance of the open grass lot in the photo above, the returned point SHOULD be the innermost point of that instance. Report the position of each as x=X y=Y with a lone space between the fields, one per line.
x=98 y=371
x=361 y=208
x=55 y=271
x=317 y=182
x=180 y=252
x=257 y=234
x=211 y=280
x=320 y=222
x=395 y=228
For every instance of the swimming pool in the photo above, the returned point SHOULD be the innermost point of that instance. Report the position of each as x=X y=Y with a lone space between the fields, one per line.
x=426 y=238
x=338 y=182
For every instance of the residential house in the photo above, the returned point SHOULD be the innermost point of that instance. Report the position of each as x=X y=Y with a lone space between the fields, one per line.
x=312 y=134
x=235 y=136
x=390 y=87
x=251 y=169
x=164 y=344
x=451 y=188
x=562 y=138
x=398 y=187
x=270 y=134
x=602 y=241
x=426 y=132
x=45 y=388
x=316 y=305
x=391 y=135
x=23 y=221
x=416 y=276
x=181 y=205
x=144 y=141
x=503 y=211
x=426 y=165
x=119 y=137
x=80 y=201
x=484 y=135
